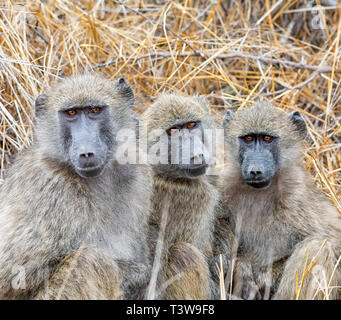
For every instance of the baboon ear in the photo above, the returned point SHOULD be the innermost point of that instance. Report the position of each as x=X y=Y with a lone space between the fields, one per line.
x=299 y=122
x=227 y=118
x=125 y=88
x=39 y=106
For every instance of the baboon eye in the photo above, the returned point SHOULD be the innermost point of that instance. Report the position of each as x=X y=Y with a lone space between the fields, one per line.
x=71 y=112
x=96 y=110
x=191 y=125
x=171 y=131
x=248 y=138
x=267 y=138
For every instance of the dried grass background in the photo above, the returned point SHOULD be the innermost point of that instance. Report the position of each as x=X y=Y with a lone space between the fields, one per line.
x=232 y=52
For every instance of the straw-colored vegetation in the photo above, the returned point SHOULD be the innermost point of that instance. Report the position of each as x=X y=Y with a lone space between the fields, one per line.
x=232 y=52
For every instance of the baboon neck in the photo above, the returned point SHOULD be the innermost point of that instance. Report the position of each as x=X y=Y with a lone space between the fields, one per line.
x=178 y=181
x=114 y=174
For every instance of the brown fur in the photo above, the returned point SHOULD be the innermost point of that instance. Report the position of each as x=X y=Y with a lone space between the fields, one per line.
x=224 y=244
x=287 y=219
x=185 y=258
x=77 y=277
x=189 y=205
x=47 y=211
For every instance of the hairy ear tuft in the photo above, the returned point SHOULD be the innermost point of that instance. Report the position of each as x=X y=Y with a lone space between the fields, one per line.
x=39 y=106
x=124 y=88
x=227 y=118
x=301 y=127
x=121 y=81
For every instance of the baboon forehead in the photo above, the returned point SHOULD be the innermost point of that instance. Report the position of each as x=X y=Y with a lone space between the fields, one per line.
x=83 y=89
x=173 y=109
x=262 y=118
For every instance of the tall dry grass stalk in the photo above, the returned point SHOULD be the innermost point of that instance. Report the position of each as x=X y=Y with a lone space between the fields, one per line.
x=232 y=52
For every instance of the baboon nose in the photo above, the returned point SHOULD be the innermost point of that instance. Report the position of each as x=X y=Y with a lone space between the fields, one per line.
x=198 y=159
x=87 y=155
x=256 y=174
x=87 y=160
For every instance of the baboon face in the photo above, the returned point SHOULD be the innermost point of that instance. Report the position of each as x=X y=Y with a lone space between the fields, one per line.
x=262 y=140
x=85 y=112
x=258 y=158
x=83 y=128
x=178 y=125
x=187 y=153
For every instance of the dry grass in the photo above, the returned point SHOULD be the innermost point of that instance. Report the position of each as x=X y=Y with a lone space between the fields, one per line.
x=232 y=52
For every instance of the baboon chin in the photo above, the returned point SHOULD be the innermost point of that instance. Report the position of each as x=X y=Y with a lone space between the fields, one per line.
x=181 y=171
x=73 y=236
x=196 y=171
x=277 y=214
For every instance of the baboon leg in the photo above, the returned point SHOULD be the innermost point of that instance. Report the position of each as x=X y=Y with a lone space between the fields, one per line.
x=223 y=246
x=277 y=271
x=267 y=278
x=86 y=274
x=314 y=263
x=187 y=274
x=244 y=285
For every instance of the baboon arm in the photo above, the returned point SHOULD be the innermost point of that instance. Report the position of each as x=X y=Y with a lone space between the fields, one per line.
x=87 y=273
x=224 y=239
x=223 y=244
x=314 y=263
x=25 y=261
x=186 y=274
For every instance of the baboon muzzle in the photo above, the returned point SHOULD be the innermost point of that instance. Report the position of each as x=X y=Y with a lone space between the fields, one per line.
x=87 y=151
x=257 y=169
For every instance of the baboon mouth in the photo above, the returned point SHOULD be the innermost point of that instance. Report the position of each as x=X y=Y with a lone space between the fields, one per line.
x=259 y=184
x=197 y=170
x=89 y=172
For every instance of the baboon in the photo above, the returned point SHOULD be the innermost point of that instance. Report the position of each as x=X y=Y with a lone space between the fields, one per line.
x=183 y=200
x=287 y=230
x=73 y=220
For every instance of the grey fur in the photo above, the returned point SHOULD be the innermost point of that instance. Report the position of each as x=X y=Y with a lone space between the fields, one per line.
x=48 y=212
x=182 y=208
x=277 y=226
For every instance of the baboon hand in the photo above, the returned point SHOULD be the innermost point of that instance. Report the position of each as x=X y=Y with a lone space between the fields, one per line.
x=244 y=285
